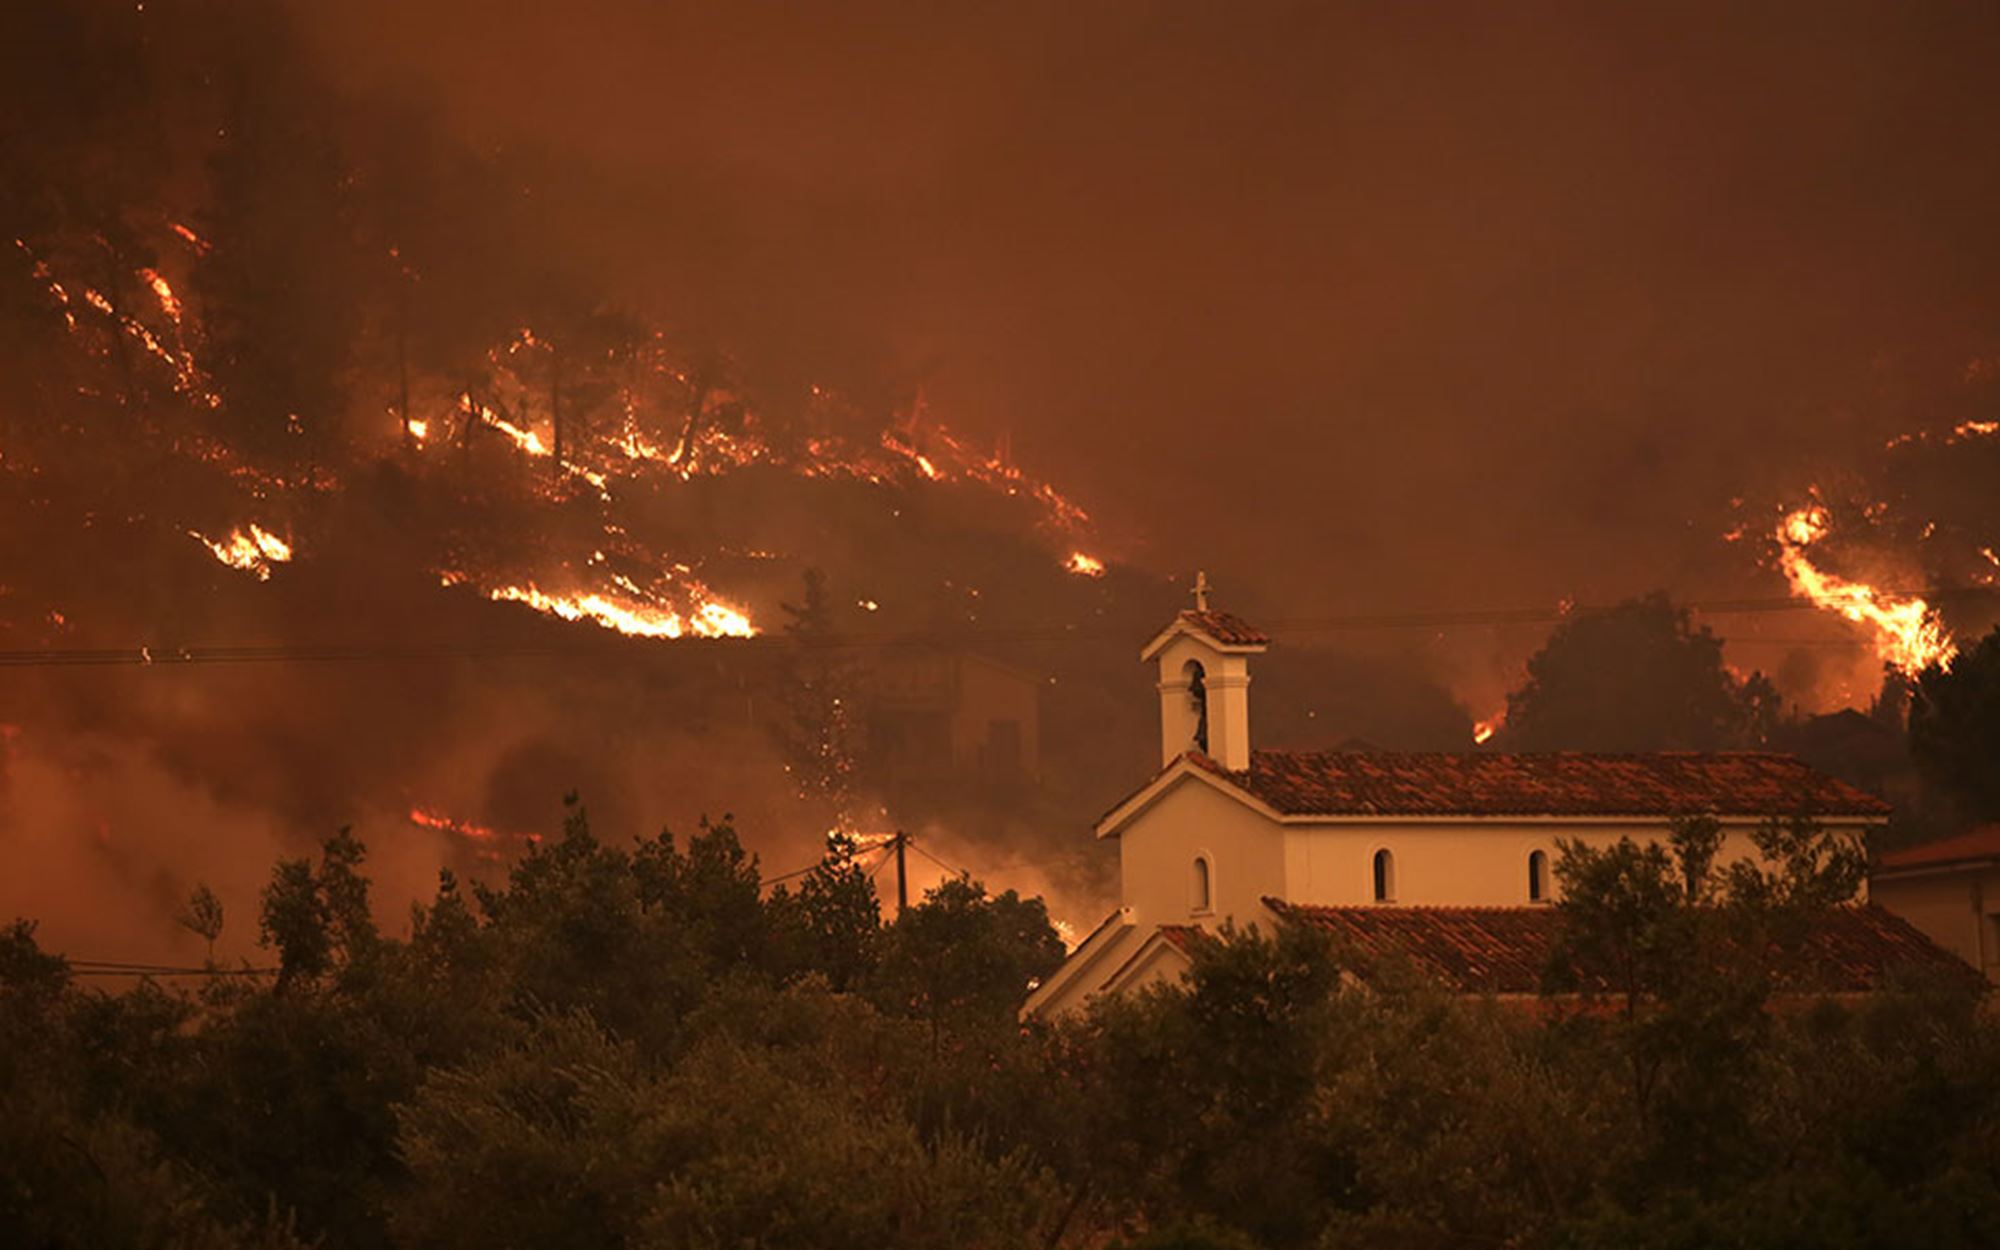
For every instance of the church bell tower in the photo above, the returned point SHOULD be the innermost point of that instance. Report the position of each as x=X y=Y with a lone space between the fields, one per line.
x=1204 y=685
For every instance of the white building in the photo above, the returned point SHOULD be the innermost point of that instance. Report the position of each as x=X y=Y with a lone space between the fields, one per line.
x=1950 y=890
x=1448 y=857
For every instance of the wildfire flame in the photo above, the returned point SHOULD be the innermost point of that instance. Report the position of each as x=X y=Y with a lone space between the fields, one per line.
x=170 y=303
x=527 y=440
x=253 y=552
x=463 y=828
x=1909 y=637
x=710 y=619
x=671 y=425
x=484 y=835
x=1483 y=731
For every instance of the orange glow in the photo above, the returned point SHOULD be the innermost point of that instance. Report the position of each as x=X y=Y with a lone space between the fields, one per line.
x=526 y=440
x=1483 y=731
x=1908 y=634
x=170 y=303
x=463 y=828
x=1084 y=565
x=193 y=240
x=711 y=619
x=253 y=552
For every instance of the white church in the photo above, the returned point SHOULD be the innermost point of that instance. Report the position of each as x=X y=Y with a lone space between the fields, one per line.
x=1446 y=859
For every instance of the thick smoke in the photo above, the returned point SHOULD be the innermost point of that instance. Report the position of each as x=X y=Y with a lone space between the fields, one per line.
x=1369 y=314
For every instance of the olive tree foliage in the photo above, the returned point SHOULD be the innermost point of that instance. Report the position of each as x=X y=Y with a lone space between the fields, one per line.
x=569 y=1138
x=632 y=1044
x=1691 y=951
x=962 y=959
x=317 y=916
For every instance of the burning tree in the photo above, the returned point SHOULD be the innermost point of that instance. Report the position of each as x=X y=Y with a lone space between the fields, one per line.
x=817 y=725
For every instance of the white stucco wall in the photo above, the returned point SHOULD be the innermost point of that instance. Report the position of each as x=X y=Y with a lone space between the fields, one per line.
x=1438 y=863
x=1157 y=850
x=1465 y=863
x=1958 y=908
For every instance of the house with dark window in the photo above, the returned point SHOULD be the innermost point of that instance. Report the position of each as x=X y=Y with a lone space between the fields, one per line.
x=941 y=719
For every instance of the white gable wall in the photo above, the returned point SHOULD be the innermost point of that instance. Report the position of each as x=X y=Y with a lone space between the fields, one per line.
x=1957 y=906
x=1157 y=850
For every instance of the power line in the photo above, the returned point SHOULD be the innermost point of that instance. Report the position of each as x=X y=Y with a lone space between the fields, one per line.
x=918 y=847
x=612 y=647
x=767 y=882
x=821 y=861
x=115 y=968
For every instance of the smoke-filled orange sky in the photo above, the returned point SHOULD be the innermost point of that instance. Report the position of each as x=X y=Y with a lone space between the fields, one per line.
x=1367 y=310
x=1410 y=306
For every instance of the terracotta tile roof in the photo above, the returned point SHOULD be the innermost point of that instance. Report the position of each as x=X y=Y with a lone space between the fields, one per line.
x=1969 y=847
x=1231 y=631
x=1183 y=936
x=1300 y=783
x=1504 y=950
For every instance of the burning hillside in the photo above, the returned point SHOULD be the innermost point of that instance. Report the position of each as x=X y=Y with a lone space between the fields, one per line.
x=358 y=462
x=1903 y=548
x=322 y=519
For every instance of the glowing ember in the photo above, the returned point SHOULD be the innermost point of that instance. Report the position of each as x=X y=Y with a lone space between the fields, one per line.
x=634 y=446
x=527 y=440
x=640 y=620
x=189 y=237
x=253 y=552
x=170 y=303
x=1483 y=731
x=463 y=828
x=483 y=835
x=1908 y=634
x=419 y=428
x=1084 y=565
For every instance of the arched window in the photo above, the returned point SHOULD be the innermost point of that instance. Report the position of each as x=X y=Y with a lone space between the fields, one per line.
x=1538 y=876
x=1385 y=876
x=1197 y=680
x=1199 y=893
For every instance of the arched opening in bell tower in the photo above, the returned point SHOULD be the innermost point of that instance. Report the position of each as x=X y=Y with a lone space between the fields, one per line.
x=1197 y=688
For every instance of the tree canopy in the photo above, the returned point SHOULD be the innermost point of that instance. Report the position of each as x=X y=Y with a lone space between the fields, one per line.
x=1955 y=727
x=1640 y=676
x=636 y=1044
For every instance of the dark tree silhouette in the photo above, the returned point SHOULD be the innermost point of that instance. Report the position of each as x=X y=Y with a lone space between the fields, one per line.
x=1640 y=676
x=1955 y=727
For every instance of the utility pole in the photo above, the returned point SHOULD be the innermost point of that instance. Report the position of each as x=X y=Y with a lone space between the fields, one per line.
x=902 y=880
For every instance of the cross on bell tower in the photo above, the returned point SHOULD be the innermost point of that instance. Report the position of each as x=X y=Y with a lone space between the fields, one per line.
x=1201 y=591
